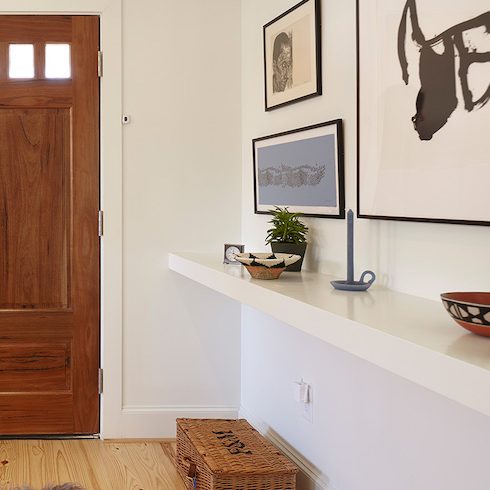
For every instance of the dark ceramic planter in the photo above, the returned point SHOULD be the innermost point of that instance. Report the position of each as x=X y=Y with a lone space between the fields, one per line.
x=291 y=248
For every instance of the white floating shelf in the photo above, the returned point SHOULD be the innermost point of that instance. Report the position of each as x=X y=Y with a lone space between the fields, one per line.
x=406 y=335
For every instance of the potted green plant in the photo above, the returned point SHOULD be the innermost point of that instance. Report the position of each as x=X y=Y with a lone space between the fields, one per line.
x=287 y=235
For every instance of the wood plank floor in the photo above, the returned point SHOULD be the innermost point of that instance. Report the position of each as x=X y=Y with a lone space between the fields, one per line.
x=93 y=464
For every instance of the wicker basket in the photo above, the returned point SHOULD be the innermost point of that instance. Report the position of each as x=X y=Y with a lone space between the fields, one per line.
x=230 y=455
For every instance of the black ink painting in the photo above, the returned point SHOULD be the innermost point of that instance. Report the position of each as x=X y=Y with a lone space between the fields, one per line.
x=423 y=110
x=440 y=72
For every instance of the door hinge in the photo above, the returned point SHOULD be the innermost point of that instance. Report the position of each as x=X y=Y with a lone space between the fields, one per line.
x=101 y=381
x=101 y=222
x=100 y=65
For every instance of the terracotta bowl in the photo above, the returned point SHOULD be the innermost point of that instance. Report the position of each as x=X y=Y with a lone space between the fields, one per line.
x=470 y=310
x=266 y=265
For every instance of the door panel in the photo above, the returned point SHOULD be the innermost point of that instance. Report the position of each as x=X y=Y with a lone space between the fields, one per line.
x=49 y=244
x=39 y=414
x=34 y=231
x=34 y=367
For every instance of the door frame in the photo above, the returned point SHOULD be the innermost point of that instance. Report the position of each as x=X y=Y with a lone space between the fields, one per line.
x=111 y=187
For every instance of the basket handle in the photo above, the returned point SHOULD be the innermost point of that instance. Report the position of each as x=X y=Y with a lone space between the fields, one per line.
x=192 y=470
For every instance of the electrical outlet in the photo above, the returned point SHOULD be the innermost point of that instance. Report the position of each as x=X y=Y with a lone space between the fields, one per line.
x=303 y=396
x=307 y=405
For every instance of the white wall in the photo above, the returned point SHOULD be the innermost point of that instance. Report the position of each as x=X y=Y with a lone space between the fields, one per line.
x=181 y=87
x=371 y=430
x=178 y=189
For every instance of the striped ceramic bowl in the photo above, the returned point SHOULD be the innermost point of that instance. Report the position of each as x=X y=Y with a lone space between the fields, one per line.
x=470 y=310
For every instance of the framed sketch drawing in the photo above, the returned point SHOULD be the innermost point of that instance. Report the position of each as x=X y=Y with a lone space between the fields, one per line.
x=302 y=169
x=423 y=89
x=292 y=55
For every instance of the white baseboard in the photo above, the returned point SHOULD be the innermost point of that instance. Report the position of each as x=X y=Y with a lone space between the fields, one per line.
x=139 y=422
x=159 y=421
x=309 y=477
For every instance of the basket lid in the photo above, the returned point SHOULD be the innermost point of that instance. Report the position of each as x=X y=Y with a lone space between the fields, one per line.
x=234 y=447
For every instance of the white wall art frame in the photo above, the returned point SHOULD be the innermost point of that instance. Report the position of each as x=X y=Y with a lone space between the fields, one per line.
x=423 y=88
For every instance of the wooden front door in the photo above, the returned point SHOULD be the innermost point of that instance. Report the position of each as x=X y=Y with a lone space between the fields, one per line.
x=49 y=244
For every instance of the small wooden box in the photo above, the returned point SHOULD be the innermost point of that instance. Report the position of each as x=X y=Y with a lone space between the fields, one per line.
x=217 y=454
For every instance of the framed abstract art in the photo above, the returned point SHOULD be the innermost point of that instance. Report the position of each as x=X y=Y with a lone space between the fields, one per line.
x=423 y=112
x=302 y=170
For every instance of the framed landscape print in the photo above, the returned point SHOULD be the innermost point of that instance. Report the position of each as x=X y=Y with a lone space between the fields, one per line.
x=424 y=117
x=302 y=170
x=292 y=55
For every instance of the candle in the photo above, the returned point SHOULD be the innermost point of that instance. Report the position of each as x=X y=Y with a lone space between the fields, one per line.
x=350 y=246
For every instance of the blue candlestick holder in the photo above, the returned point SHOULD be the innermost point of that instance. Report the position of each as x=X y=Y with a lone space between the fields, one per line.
x=350 y=284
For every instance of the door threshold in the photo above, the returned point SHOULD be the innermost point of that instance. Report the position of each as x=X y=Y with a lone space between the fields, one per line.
x=7 y=437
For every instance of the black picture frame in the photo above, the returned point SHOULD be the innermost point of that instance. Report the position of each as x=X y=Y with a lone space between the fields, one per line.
x=361 y=127
x=276 y=94
x=315 y=175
